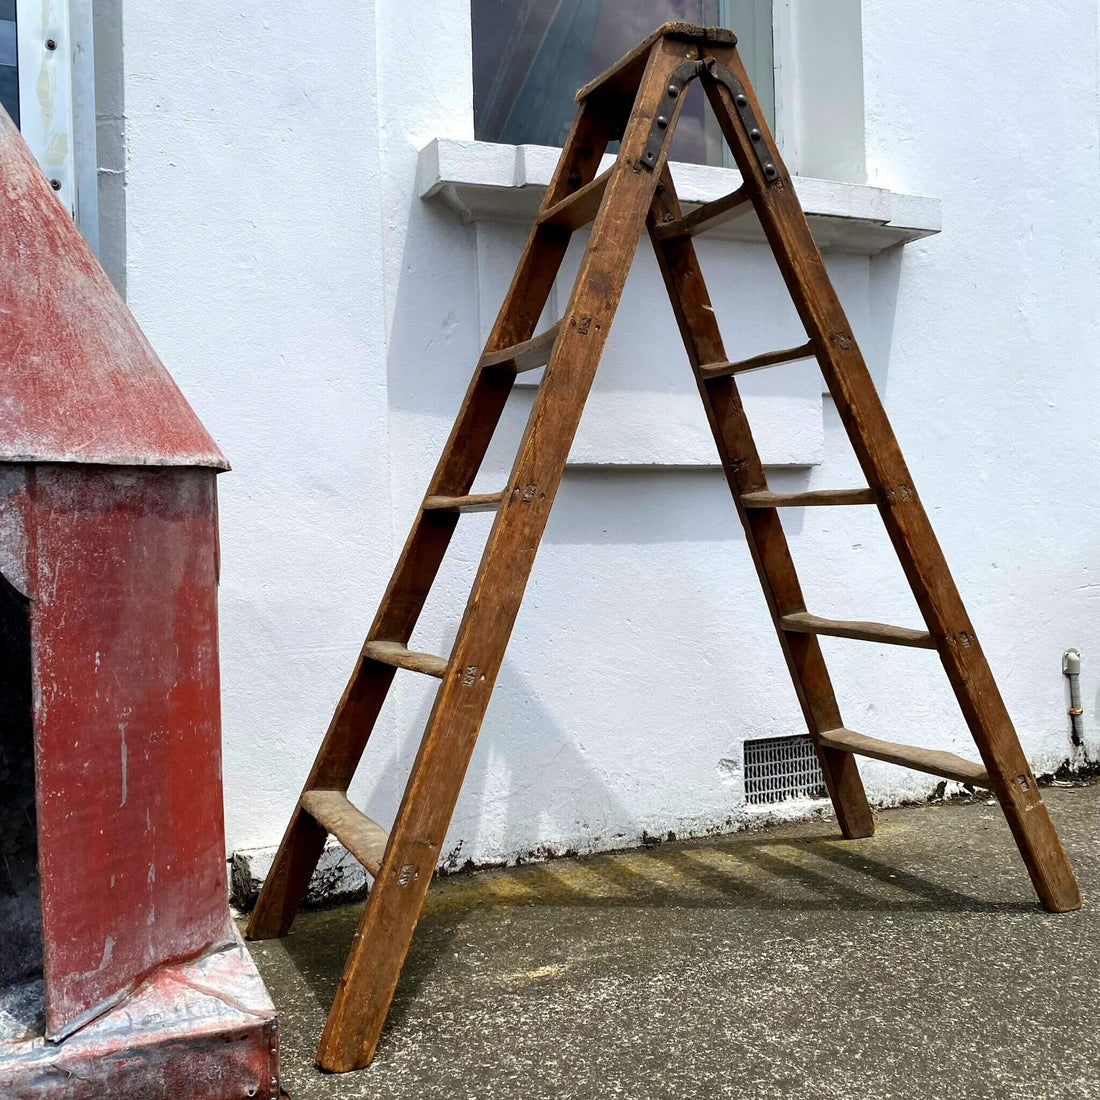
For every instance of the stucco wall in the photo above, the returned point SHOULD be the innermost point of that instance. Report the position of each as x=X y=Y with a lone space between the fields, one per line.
x=324 y=320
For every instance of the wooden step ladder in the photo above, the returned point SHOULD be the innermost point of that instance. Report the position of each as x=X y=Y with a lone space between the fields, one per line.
x=636 y=102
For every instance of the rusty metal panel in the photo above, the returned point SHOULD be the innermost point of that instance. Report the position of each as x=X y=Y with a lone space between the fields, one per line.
x=80 y=382
x=204 y=1030
x=121 y=567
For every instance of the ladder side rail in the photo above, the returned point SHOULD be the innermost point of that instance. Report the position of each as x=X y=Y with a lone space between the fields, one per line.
x=360 y=704
x=872 y=438
x=393 y=906
x=764 y=533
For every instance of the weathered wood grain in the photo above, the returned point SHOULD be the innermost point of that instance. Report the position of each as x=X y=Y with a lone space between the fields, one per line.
x=580 y=208
x=385 y=931
x=873 y=440
x=814 y=498
x=527 y=354
x=400 y=656
x=480 y=502
x=708 y=216
x=364 y=838
x=933 y=761
x=802 y=622
x=767 y=543
x=756 y=362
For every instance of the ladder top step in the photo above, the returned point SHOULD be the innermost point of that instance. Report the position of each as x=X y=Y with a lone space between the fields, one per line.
x=528 y=355
x=804 y=623
x=364 y=838
x=932 y=761
x=400 y=656
x=811 y=499
x=624 y=76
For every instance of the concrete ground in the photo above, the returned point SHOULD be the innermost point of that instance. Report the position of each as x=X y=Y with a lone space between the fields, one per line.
x=783 y=963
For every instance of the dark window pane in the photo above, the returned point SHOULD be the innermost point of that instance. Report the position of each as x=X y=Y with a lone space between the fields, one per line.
x=531 y=56
x=9 y=72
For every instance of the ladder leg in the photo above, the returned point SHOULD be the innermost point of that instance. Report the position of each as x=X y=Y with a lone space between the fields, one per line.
x=763 y=531
x=914 y=541
x=393 y=907
x=358 y=709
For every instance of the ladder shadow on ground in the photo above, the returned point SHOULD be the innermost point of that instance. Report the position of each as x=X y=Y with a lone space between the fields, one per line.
x=817 y=872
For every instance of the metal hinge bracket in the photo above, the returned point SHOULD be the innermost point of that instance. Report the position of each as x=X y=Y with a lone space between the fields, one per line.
x=683 y=75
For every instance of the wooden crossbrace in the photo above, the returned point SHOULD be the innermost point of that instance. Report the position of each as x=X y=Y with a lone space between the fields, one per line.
x=622 y=105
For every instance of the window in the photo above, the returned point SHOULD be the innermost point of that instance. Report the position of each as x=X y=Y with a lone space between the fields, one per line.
x=47 y=87
x=531 y=56
x=9 y=61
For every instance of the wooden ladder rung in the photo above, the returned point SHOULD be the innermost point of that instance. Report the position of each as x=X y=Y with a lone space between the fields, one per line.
x=580 y=208
x=812 y=499
x=528 y=355
x=803 y=622
x=478 y=502
x=767 y=359
x=933 y=761
x=363 y=837
x=400 y=656
x=708 y=216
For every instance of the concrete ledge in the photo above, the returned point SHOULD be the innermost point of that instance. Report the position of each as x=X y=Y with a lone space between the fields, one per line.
x=483 y=181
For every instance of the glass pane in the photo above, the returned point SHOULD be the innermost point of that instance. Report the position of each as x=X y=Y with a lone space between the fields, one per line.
x=9 y=71
x=531 y=56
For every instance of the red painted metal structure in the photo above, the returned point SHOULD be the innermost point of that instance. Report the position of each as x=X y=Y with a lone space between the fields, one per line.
x=109 y=548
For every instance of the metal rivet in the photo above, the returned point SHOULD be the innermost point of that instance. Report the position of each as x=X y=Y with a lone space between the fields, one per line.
x=55 y=184
x=742 y=101
x=51 y=44
x=662 y=122
x=674 y=90
x=755 y=135
x=770 y=172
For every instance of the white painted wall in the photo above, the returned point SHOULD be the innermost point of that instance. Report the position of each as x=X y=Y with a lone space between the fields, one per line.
x=324 y=319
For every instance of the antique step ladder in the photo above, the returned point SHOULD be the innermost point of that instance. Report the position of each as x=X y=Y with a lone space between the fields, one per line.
x=637 y=102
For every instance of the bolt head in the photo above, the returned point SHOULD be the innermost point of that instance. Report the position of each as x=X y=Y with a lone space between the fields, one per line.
x=673 y=90
x=742 y=101
x=51 y=44
x=662 y=122
x=756 y=135
x=55 y=184
x=770 y=171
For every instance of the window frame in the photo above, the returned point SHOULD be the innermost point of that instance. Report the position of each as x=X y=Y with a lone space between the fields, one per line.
x=819 y=110
x=59 y=125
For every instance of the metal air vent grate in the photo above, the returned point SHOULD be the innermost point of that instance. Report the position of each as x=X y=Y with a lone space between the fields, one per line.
x=778 y=768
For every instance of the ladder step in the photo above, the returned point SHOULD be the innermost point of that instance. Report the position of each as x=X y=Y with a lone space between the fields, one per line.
x=708 y=216
x=933 y=761
x=768 y=359
x=400 y=656
x=479 y=502
x=364 y=838
x=815 y=498
x=529 y=355
x=803 y=622
x=580 y=208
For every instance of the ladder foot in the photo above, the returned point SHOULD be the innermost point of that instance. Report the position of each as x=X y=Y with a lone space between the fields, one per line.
x=288 y=879
x=1042 y=852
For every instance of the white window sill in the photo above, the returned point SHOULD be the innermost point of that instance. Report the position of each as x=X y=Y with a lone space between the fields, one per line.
x=484 y=181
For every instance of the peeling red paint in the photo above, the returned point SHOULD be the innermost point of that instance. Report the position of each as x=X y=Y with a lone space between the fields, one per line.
x=108 y=528
x=80 y=382
x=127 y=736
